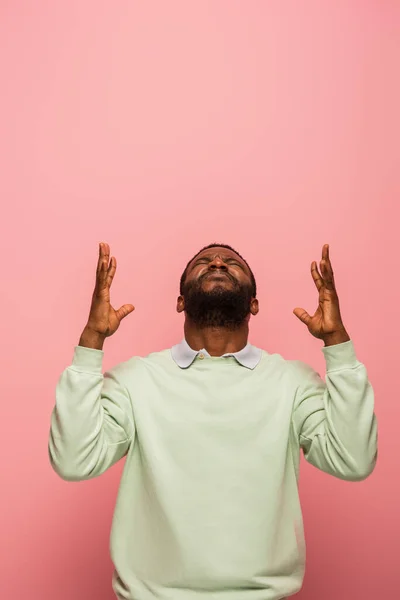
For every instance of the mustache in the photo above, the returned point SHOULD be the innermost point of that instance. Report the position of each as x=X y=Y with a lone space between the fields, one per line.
x=219 y=273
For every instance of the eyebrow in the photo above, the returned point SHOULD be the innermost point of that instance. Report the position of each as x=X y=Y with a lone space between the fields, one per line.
x=225 y=257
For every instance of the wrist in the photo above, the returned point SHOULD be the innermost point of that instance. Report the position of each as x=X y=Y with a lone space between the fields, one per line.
x=336 y=337
x=92 y=339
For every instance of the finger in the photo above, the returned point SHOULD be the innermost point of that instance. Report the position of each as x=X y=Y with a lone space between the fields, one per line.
x=326 y=268
x=104 y=252
x=326 y=257
x=302 y=315
x=100 y=259
x=325 y=251
x=327 y=274
x=102 y=266
x=124 y=311
x=111 y=271
x=319 y=282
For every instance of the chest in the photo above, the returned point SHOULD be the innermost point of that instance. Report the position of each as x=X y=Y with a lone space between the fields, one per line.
x=216 y=419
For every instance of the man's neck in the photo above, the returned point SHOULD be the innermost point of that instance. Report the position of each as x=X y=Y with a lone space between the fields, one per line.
x=217 y=340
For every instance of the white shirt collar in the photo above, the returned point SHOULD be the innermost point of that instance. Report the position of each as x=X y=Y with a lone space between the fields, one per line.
x=184 y=355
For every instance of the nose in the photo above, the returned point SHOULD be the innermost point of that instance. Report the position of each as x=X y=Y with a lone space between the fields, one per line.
x=217 y=263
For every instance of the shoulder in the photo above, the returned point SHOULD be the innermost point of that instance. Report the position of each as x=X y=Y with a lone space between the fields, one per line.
x=277 y=363
x=304 y=375
x=297 y=370
x=137 y=363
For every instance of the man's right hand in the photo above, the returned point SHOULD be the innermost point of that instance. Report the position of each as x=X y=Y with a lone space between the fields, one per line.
x=103 y=319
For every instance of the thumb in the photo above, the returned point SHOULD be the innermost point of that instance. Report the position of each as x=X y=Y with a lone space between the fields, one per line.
x=302 y=315
x=124 y=311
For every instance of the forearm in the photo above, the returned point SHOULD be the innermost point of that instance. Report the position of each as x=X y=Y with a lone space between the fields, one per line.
x=350 y=410
x=336 y=421
x=91 y=423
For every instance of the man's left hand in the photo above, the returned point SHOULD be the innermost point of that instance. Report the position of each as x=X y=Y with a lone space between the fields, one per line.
x=326 y=323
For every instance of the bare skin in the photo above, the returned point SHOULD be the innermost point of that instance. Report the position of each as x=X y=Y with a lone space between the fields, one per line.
x=326 y=323
x=104 y=320
x=217 y=261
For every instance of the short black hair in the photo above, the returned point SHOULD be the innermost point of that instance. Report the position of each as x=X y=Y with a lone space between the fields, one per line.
x=215 y=245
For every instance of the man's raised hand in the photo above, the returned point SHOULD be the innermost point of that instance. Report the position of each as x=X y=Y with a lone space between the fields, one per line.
x=103 y=319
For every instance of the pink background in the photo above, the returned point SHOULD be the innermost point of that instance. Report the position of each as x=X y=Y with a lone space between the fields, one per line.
x=160 y=127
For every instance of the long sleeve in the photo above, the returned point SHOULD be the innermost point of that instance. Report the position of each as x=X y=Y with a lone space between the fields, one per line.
x=92 y=422
x=335 y=420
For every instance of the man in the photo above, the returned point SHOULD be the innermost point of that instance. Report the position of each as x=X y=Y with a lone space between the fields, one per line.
x=212 y=430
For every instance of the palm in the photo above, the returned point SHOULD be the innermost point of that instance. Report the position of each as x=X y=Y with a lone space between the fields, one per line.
x=114 y=321
x=326 y=319
x=103 y=318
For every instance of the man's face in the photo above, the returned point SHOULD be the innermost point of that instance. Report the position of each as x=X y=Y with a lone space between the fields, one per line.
x=218 y=290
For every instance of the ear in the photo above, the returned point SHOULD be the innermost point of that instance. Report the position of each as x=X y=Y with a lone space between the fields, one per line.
x=180 y=304
x=254 y=307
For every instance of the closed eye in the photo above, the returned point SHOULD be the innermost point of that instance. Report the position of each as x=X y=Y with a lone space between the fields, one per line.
x=228 y=261
x=234 y=263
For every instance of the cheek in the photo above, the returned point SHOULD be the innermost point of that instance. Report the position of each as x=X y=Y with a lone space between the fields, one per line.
x=197 y=273
x=242 y=277
x=191 y=281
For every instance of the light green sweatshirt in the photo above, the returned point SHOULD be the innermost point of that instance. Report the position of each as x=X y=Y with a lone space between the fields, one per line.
x=208 y=504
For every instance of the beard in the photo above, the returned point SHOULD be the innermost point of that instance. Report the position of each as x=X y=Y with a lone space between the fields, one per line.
x=219 y=307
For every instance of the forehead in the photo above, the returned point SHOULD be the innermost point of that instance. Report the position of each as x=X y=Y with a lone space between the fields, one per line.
x=223 y=253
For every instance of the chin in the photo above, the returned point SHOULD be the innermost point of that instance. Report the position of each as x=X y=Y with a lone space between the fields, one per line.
x=222 y=282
